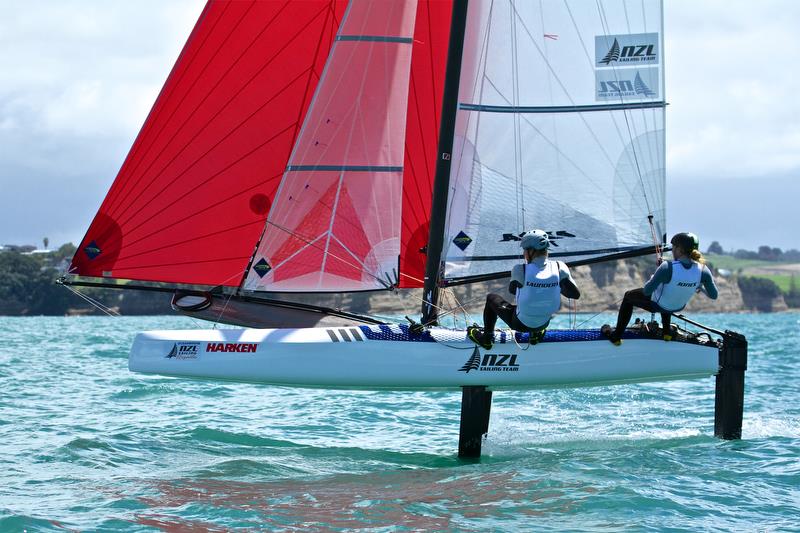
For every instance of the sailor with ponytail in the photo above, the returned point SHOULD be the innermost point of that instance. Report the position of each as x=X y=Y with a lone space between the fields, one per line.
x=670 y=288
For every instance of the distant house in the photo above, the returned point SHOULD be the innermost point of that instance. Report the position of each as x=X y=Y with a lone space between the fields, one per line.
x=17 y=248
x=38 y=252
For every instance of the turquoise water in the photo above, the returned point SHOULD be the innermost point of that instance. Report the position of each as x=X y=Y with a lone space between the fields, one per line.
x=87 y=445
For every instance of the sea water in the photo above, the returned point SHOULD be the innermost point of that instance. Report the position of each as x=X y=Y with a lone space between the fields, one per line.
x=87 y=445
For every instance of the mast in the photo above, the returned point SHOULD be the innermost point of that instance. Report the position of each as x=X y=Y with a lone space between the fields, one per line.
x=441 y=182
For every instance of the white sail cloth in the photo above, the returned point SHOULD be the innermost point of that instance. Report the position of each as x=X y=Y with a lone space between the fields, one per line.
x=560 y=126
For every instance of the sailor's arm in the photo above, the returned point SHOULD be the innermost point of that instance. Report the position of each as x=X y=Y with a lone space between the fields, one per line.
x=707 y=283
x=517 y=278
x=567 y=284
x=660 y=276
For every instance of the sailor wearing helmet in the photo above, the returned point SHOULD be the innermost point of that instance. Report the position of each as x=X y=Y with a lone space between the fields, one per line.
x=669 y=289
x=538 y=284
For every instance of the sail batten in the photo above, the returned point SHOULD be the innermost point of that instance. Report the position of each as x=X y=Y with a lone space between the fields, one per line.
x=560 y=109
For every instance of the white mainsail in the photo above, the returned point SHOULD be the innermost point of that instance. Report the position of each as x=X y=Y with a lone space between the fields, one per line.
x=560 y=126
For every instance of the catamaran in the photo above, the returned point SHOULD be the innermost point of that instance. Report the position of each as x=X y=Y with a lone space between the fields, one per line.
x=371 y=145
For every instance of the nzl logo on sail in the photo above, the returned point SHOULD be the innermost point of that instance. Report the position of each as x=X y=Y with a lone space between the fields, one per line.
x=627 y=83
x=626 y=49
x=491 y=362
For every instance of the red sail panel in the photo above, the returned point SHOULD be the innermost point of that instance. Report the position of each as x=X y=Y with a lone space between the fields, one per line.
x=192 y=196
x=428 y=62
x=335 y=223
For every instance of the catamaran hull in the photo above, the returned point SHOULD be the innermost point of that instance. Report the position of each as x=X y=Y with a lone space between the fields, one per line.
x=390 y=357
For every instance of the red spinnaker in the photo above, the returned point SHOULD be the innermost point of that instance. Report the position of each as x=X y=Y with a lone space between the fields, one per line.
x=192 y=196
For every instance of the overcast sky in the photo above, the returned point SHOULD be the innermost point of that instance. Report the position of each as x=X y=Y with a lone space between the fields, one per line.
x=77 y=79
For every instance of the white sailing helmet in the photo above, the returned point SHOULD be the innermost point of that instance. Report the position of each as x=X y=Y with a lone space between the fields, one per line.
x=534 y=239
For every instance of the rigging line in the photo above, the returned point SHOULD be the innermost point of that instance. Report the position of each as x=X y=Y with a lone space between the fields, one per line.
x=224 y=308
x=606 y=28
x=479 y=68
x=298 y=251
x=553 y=121
x=412 y=278
x=518 y=159
x=455 y=306
x=348 y=250
x=330 y=229
x=446 y=312
x=627 y=19
x=597 y=314
x=644 y=16
x=559 y=151
x=515 y=102
x=145 y=131
x=96 y=303
x=656 y=240
x=338 y=258
x=653 y=161
x=592 y=69
x=93 y=302
x=564 y=89
x=208 y=94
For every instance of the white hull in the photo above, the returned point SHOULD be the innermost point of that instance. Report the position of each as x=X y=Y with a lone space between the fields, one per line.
x=388 y=357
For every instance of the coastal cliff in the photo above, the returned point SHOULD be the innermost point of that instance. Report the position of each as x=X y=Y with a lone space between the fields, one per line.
x=602 y=287
x=27 y=288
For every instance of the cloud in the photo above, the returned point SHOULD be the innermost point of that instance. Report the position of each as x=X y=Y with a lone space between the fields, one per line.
x=732 y=87
x=77 y=79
